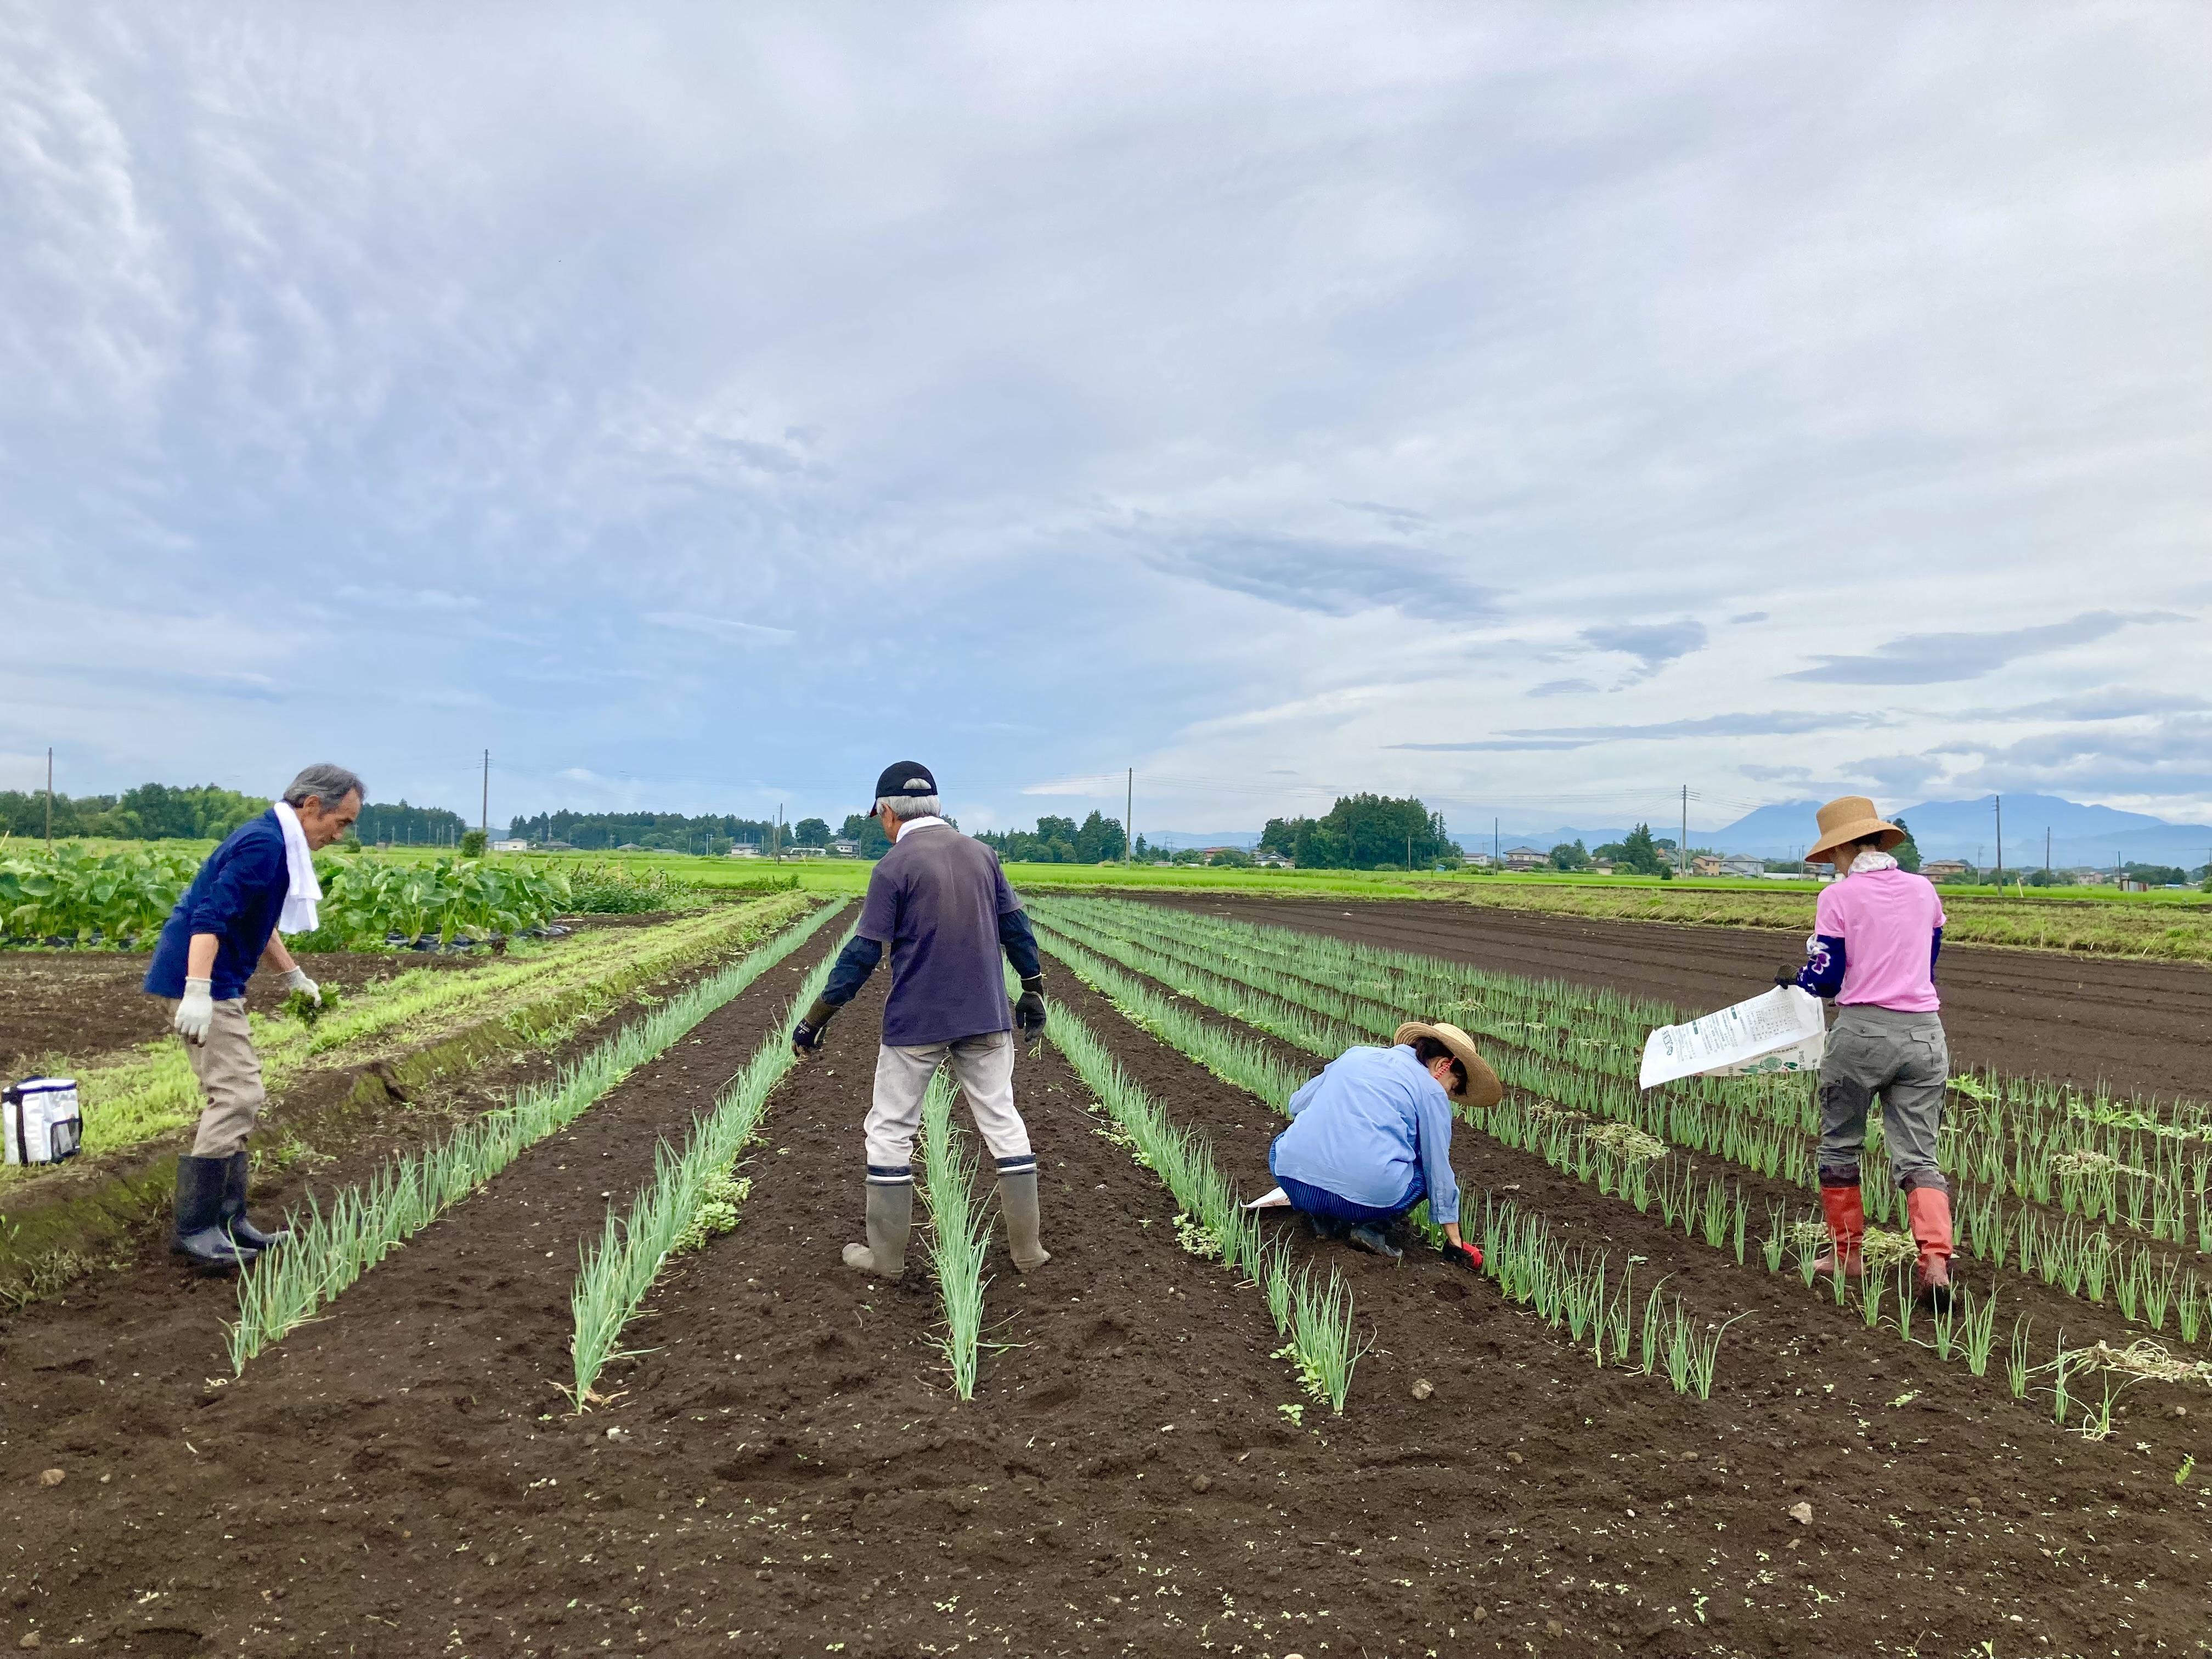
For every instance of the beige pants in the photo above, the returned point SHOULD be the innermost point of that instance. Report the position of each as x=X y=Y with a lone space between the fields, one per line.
x=983 y=1065
x=230 y=1077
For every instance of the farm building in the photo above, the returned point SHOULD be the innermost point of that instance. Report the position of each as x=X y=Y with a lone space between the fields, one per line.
x=1945 y=869
x=1527 y=858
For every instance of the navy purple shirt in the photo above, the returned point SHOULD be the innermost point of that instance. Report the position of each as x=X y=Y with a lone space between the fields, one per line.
x=936 y=899
x=237 y=896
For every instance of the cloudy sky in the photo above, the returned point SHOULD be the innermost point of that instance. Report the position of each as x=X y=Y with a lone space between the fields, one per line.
x=1535 y=408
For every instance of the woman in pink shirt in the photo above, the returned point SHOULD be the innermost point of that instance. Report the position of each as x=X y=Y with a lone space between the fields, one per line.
x=1877 y=931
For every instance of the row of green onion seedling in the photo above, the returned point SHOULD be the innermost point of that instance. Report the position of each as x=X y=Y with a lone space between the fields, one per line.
x=959 y=1232
x=694 y=1195
x=332 y=1244
x=1615 y=1156
x=2128 y=1163
x=1518 y=1250
x=2065 y=1253
x=1964 y=1330
x=1314 y=1313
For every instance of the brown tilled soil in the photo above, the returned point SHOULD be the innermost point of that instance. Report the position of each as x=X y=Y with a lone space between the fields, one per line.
x=2141 y=1026
x=784 y=1472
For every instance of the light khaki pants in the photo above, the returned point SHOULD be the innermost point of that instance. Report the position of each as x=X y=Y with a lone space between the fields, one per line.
x=230 y=1077
x=983 y=1065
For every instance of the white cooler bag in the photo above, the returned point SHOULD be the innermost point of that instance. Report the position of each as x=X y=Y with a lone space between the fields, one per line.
x=42 y=1121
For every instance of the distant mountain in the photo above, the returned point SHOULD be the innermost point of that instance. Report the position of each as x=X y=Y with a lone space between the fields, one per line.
x=2080 y=833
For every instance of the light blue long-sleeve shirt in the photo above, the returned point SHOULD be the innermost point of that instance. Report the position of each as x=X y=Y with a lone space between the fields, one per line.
x=1362 y=1129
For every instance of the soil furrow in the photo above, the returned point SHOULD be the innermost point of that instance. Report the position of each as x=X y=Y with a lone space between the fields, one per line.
x=2135 y=1025
x=370 y=1408
x=1921 y=1471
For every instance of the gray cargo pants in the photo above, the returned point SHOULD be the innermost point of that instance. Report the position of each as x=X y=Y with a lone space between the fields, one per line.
x=1904 y=1059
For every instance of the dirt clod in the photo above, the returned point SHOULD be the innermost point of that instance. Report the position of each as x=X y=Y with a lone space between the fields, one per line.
x=1423 y=1388
x=52 y=1477
x=1513 y=1458
x=1802 y=1514
x=1201 y=1482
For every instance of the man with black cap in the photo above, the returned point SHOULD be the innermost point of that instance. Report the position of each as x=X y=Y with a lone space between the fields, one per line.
x=942 y=905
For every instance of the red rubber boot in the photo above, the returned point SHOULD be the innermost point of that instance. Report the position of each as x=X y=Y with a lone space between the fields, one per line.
x=1846 y=1214
x=1930 y=1211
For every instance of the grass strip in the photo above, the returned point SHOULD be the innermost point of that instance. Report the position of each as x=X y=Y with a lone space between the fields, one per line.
x=540 y=992
x=331 y=1248
x=1315 y=1315
x=693 y=1194
x=958 y=1231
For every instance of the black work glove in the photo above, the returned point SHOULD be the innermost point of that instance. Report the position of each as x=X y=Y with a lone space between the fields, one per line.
x=1786 y=974
x=1028 y=1014
x=806 y=1035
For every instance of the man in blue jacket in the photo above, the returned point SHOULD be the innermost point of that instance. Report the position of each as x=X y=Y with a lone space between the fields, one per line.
x=1370 y=1137
x=939 y=902
x=259 y=880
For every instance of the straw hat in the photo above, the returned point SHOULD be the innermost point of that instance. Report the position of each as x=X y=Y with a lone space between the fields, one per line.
x=1483 y=1088
x=1847 y=818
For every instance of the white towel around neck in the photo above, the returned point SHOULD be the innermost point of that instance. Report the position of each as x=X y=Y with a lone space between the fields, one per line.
x=299 y=915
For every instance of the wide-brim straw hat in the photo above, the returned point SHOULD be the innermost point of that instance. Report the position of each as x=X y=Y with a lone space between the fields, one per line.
x=1847 y=819
x=1483 y=1088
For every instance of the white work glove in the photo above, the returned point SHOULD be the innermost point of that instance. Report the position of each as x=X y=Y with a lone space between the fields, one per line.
x=297 y=980
x=195 y=1013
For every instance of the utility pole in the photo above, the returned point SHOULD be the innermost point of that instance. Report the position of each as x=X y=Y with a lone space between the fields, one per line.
x=1409 y=854
x=1493 y=843
x=483 y=824
x=2046 y=850
x=1682 y=848
x=50 y=800
x=1129 y=823
x=1999 y=801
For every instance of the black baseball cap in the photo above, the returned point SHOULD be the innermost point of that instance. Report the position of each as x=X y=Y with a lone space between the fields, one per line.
x=904 y=778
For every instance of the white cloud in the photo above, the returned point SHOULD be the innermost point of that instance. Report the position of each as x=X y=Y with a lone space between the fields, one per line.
x=1077 y=389
x=725 y=627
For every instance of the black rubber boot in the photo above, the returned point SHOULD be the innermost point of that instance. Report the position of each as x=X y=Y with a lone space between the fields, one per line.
x=1326 y=1228
x=890 y=1220
x=1017 y=1202
x=1370 y=1237
x=234 y=1207
x=198 y=1233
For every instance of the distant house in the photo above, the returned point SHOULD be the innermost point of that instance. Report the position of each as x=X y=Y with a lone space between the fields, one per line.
x=629 y=847
x=1209 y=854
x=1481 y=861
x=1945 y=869
x=840 y=847
x=1706 y=864
x=1271 y=860
x=510 y=846
x=744 y=849
x=805 y=853
x=1740 y=864
x=1527 y=858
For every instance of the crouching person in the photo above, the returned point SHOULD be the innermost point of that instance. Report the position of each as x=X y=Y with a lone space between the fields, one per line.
x=1370 y=1137
x=259 y=881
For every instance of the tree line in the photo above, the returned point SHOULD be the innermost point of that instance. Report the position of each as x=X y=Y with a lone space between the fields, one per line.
x=152 y=811
x=1364 y=832
x=1096 y=840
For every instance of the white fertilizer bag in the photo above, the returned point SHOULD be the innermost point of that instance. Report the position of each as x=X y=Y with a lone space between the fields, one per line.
x=41 y=1120
x=1779 y=1031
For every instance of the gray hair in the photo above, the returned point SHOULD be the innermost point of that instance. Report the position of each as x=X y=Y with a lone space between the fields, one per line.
x=325 y=784
x=904 y=807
